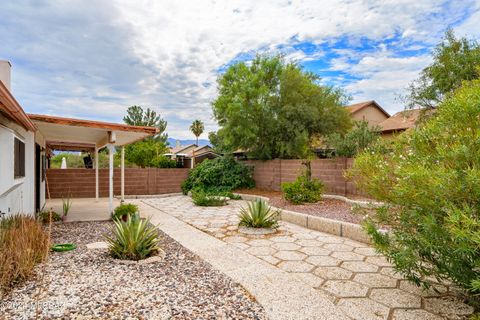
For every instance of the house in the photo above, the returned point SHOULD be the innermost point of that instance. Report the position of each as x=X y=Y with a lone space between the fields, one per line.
x=26 y=140
x=369 y=111
x=400 y=122
x=185 y=154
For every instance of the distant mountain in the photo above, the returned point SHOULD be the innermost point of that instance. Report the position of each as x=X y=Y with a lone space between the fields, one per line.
x=201 y=142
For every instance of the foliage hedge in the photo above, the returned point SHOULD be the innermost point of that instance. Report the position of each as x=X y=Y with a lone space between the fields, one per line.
x=430 y=177
x=220 y=175
x=303 y=190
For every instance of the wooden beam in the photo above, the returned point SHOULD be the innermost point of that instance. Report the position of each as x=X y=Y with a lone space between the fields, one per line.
x=70 y=146
x=92 y=124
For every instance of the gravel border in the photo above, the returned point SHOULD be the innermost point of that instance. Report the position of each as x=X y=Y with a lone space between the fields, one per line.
x=89 y=284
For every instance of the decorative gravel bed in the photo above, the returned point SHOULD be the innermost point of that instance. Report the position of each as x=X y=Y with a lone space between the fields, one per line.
x=327 y=208
x=89 y=284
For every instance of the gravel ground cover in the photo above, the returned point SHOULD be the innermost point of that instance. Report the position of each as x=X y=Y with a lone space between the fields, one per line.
x=88 y=284
x=327 y=208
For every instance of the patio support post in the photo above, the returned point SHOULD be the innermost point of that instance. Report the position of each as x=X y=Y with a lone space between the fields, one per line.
x=110 y=177
x=122 y=170
x=96 y=174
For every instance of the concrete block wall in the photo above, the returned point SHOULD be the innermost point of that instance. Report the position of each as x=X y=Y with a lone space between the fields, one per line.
x=270 y=174
x=80 y=183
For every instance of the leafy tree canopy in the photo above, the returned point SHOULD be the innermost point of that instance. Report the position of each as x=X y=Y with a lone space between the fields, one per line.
x=454 y=61
x=136 y=116
x=272 y=109
x=430 y=179
x=355 y=140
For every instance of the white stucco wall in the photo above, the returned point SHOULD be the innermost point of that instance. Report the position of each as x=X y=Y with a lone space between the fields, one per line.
x=16 y=195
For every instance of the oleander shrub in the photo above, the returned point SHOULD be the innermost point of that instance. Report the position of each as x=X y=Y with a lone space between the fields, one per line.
x=222 y=174
x=259 y=214
x=23 y=244
x=204 y=199
x=124 y=210
x=430 y=178
x=303 y=190
x=134 y=239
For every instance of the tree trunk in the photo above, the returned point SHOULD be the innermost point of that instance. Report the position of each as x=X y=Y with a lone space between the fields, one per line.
x=308 y=169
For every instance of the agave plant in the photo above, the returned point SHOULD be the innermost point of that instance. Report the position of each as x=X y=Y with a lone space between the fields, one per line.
x=259 y=215
x=134 y=239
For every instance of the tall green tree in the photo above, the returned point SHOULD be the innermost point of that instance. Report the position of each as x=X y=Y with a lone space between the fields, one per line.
x=197 y=128
x=355 y=140
x=454 y=61
x=136 y=116
x=272 y=108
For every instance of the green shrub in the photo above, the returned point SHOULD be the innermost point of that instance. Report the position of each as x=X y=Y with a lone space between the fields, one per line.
x=203 y=199
x=125 y=210
x=222 y=174
x=134 y=239
x=163 y=162
x=259 y=215
x=23 y=244
x=303 y=190
x=430 y=177
x=355 y=140
x=44 y=216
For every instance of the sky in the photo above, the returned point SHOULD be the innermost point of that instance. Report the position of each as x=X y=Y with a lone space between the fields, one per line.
x=93 y=59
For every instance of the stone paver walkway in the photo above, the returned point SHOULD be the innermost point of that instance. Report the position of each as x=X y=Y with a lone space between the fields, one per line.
x=355 y=278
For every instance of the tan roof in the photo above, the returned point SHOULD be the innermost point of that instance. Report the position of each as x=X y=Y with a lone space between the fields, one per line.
x=401 y=121
x=177 y=149
x=359 y=106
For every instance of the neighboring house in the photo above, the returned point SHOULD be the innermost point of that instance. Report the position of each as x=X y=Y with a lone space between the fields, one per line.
x=400 y=122
x=369 y=111
x=184 y=154
x=22 y=154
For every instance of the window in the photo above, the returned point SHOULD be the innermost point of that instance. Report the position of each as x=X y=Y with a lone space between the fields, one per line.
x=19 y=158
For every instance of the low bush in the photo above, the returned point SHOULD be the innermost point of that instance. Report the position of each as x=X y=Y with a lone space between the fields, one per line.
x=259 y=215
x=125 y=210
x=222 y=174
x=163 y=162
x=430 y=177
x=23 y=244
x=44 y=216
x=303 y=190
x=203 y=199
x=134 y=239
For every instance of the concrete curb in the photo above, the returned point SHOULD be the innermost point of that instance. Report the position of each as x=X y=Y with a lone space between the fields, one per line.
x=149 y=196
x=339 y=228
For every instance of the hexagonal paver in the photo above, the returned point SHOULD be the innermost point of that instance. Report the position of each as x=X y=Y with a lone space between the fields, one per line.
x=389 y=271
x=359 y=266
x=308 y=243
x=295 y=266
x=409 y=314
x=269 y=259
x=348 y=256
x=379 y=261
x=449 y=307
x=414 y=289
x=240 y=245
x=310 y=279
x=334 y=273
x=345 y=288
x=283 y=239
x=329 y=239
x=338 y=247
x=261 y=251
x=375 y=280
x=286 y=246
x=315 y=251
x=366 y=251
x=290 y=255
x=259 y=243
x=395 y=298
x=234 y=239
x=323 y=261
x=363 y=309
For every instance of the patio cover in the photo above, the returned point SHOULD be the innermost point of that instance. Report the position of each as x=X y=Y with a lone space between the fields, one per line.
x=70 y=134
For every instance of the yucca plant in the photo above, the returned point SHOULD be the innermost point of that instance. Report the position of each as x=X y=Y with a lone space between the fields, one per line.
x=134 y=239
x=259 y=215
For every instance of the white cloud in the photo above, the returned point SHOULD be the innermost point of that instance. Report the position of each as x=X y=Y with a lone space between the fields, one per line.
x=94 y=61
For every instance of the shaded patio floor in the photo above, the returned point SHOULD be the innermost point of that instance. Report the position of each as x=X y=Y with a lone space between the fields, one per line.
x=84 y=209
